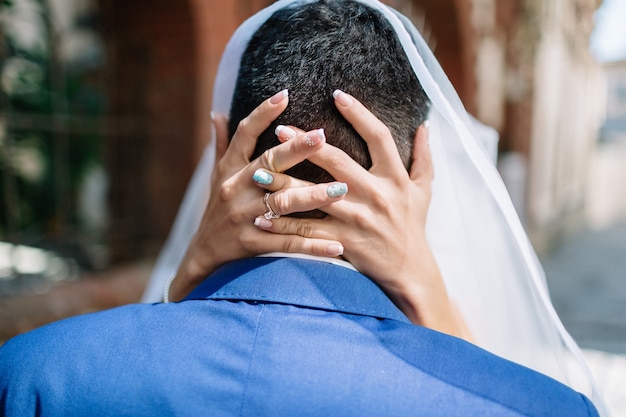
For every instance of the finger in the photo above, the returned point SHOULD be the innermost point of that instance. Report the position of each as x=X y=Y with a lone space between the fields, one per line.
x=422 y=166
x=295 y=244
x=286 y=133
x=274 y=181
x=330 y=158
x=303 y=199
x=382 y=147
x=290 y=153
x=250 y=128
x=299 y=195
x=220 y=123
x=304 y=227
x=339 y=164
x=294 y=196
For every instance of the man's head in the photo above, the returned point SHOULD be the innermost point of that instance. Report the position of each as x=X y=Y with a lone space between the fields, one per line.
x=315 y=48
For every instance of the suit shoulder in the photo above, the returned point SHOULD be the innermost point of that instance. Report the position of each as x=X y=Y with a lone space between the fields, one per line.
x=485 y=374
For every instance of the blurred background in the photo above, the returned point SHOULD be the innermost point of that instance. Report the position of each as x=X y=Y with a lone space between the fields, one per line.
x=104 y=111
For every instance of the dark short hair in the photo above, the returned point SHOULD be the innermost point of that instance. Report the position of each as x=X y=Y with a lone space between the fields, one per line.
x=315 y=48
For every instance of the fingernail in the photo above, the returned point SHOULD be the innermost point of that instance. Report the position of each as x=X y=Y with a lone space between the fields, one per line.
x=285 y=133
x=427 y=124
x=334 y=250
x=278 y=97
x=315 y=138
x=263 y=223
x=262 y=177
x=212 y=116
x=337 y=190
x=342 y=98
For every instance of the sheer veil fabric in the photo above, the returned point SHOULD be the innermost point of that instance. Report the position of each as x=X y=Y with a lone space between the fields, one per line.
x=486 y=259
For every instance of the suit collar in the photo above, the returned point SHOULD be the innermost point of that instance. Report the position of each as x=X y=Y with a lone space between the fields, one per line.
x=301 y=282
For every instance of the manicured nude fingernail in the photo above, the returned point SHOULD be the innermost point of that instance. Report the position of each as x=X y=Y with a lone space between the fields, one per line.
x=337 y=189
x=334 y=250
x=213 y=116
x=285 y=133
x=342 y=98
x=427 y=124
x=263 y=223
x=315 y=138
x=278 y=97
x=262 y=177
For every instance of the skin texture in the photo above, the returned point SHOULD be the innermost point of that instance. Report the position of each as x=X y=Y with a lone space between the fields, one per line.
x=380 y=222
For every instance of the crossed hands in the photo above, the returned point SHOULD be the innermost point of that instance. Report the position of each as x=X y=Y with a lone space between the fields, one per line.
x=378 y=226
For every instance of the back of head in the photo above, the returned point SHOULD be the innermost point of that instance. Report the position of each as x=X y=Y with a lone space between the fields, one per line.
x=315 y=48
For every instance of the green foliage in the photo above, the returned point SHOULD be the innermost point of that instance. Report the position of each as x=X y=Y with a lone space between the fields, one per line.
x=43 y=157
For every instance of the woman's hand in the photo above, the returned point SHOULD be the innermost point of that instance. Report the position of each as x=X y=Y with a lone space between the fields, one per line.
x=227 y=230
x=381 y=223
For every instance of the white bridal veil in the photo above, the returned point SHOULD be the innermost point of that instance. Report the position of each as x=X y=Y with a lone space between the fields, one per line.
x=486 y=259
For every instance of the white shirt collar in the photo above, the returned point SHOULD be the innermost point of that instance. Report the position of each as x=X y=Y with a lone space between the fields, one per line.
x=334 y=261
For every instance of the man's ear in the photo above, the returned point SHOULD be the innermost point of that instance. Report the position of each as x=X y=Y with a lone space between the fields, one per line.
x=422 y=165
x=220 y=123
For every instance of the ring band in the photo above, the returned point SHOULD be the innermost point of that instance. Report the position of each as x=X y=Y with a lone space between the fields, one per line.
x=271 y=214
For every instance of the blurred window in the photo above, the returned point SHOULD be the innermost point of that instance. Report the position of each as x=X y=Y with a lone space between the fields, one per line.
x=52 y=103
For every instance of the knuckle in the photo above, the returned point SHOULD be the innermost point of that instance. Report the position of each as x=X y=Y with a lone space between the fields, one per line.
x=279 y=182
x=243 y=124
x=291 y=246
x=381 y=131
x=305 y=229
x=280 y=203
x=245 y=240
x=238 y=217
x=361 y=220
x=226 y=191
x=379 y=202
x=336 y=161
x=364 y=220
x=268 y=160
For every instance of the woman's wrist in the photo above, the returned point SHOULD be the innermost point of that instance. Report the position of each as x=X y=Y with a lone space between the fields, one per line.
x=429 y=306
x=421 y=294
x=194 y=268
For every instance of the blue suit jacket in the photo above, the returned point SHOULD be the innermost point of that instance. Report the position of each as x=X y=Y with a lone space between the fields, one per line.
x=267 y=337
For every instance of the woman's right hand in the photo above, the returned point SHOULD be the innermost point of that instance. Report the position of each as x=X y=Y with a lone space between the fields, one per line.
x=227 y=231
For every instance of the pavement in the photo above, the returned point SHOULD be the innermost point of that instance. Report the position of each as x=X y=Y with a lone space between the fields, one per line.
x=91 y=291
x=587 y=279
